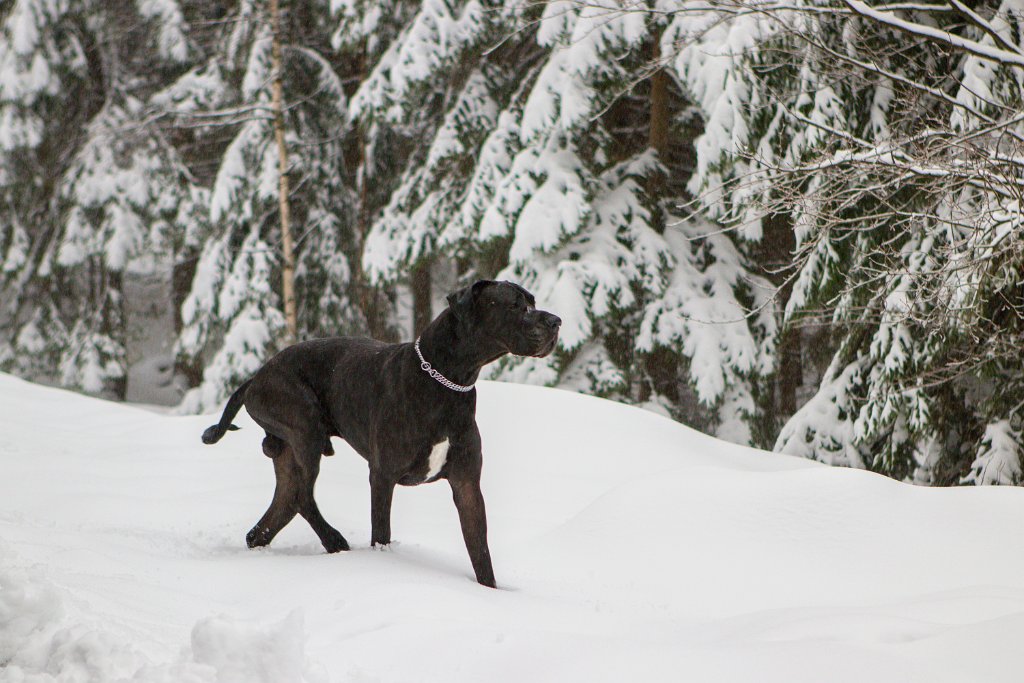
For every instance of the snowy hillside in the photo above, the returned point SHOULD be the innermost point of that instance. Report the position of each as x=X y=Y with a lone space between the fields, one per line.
x=626 y=546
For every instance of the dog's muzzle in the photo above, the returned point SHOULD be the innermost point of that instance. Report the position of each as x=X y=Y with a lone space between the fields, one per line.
x=546 y=333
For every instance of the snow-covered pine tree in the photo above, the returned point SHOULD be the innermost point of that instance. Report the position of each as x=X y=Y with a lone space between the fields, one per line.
x=422 y=106
x=231 y=317
x=895 y=170
x=126 y=192
x=33 y=71
x=105 y=187
x=940 y=383
x=657 y=304
x=528 y=157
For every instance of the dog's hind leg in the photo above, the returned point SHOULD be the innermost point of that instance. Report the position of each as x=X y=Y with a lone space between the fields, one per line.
x=290 y=414
x=382 y=491
x=309 y=469
x=284 y=505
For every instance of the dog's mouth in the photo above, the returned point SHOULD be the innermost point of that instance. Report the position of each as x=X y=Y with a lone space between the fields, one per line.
x=546 y=346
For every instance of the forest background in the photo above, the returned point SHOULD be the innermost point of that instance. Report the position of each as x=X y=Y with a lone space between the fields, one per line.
x=794 y=224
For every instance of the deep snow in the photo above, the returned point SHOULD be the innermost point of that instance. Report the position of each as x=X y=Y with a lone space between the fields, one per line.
x=626 y=547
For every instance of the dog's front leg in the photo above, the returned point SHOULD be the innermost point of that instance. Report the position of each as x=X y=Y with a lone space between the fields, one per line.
x=382 y=490
x=469 y=501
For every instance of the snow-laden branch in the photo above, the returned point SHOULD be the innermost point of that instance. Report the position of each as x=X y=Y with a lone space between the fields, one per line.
x=985 y=25
x=1012 y=58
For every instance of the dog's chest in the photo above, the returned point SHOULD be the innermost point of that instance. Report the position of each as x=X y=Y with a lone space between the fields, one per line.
x=428 y=464
x=437 y=458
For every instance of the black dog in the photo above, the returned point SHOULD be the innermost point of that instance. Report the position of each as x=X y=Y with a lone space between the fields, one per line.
x=409 y=409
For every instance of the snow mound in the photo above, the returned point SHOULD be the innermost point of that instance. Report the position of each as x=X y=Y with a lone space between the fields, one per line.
x=626 y=547
x=41 y=642
x=247 y=653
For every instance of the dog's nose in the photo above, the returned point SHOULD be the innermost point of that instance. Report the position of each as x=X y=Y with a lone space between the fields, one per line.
x=552 y=321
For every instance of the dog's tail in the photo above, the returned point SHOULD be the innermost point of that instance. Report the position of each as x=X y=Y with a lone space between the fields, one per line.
x=213 y=434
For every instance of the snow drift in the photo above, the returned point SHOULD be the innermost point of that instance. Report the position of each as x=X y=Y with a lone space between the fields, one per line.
x=626 y=547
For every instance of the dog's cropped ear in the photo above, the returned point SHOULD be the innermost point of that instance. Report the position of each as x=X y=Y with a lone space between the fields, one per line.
x=461 y=302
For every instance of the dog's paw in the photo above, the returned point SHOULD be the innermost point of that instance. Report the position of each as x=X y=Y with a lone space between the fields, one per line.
x=257 y=537
x=381 y=546
x=335 y=542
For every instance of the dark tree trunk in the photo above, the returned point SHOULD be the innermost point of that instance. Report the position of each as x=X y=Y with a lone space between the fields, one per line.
x=661 y=115
x=421 y=296
x=114 y=280
x=182 y=273
x=372 y=302
x=776 y=251
x=660 y=121
x=790 y=371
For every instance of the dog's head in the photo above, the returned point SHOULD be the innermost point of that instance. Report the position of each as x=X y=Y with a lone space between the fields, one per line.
x=507 y=313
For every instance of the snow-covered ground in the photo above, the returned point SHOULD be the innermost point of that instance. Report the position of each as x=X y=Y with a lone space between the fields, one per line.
x=627 y=548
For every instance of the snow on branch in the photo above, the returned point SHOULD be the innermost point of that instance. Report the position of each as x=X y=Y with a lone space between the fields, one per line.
x=1009 y=57
x=999 y=458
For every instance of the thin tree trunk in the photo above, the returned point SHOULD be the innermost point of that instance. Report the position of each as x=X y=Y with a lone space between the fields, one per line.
x=658 y=129
x=659 y=367
x=287 y=245
x=369 y=300
x=421 y=296
x=660 y=114
x=114 y=280
x=790 y=371
x=373 y=303
x=182 y=273
x=774 y=253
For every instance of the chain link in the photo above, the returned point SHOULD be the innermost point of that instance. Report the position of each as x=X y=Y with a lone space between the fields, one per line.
x=441 y=379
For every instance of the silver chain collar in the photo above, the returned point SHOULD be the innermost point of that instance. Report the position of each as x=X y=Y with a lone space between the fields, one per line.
x=441 y=379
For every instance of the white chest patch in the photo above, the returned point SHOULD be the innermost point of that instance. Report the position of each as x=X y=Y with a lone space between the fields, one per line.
x=438 y=456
